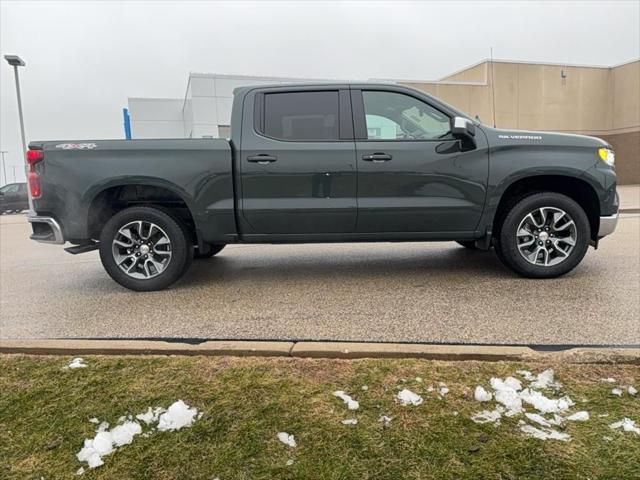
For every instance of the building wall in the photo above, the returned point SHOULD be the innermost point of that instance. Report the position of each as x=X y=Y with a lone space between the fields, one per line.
x=156 y=117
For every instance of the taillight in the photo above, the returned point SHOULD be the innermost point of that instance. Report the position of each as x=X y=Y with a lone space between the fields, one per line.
x=34 y=157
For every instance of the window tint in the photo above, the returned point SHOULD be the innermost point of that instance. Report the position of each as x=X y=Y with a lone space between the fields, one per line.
x=310 y=116
x=395 y=116
x=12 y=188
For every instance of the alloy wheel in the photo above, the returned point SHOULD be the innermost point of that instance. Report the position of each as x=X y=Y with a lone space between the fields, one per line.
x=546 y=236
x=141 y=249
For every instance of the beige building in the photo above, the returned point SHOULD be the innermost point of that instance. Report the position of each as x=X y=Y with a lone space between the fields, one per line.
x=599 y=101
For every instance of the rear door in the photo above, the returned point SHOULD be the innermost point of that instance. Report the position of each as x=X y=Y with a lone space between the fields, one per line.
x=298 y=162
x=412 y=174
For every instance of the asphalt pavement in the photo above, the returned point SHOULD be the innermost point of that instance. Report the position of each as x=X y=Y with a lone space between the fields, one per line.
x=419 y=292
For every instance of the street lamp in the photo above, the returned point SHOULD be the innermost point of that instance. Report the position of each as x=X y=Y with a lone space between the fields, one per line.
x=15 y=61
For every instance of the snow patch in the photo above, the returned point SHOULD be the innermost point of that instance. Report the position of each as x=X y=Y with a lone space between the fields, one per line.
x=544 y=433
x=75 y=363
x=632 y=390
x=177 y=416
x=617 y=392
x=351 y=403
x=481 y=395
x=608 y=380
x=287 y=439
x=627 y=425
x=385 y=420
x=407 y=397
x=579 y=417
x=350 y=421
x=105 y=442
x=487 y=416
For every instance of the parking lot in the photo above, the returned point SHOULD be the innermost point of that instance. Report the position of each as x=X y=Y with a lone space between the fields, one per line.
x=427 y=292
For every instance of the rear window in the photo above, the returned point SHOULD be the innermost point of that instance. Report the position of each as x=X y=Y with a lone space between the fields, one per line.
x=302 y=116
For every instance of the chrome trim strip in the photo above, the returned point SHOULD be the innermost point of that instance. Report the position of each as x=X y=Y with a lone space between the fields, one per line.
x=55 y=228
x=607 y=225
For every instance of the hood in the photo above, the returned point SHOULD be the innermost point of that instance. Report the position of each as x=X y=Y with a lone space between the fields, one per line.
x=500 y=137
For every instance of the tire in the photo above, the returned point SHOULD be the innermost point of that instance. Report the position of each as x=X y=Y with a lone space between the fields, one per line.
x=214 y=249
x=543 y=235
x=470 y=244
x=167 y=245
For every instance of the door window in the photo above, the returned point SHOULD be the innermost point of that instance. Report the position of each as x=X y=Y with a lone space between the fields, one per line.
x=302 y=116
x=395 y=116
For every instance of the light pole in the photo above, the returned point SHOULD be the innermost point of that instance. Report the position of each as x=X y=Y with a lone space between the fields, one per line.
x=4 y=166
x=15 y=61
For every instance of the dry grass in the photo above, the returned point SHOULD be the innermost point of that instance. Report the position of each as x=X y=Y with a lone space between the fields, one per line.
x=246 y=401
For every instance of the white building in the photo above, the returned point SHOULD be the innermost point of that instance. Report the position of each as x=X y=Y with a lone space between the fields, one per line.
x=205 y=110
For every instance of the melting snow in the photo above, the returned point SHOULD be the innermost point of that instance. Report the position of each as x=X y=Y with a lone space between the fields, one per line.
x=545 y=380
x=608 y=380
x=106 y=441
x=151 y=415
x=385 y=420
x=544 y=404
x=407 y=397
x=579 y=417
x=544 y=433
x=617 y=392
x=444 y=391
x=632 y=391
x=94 y=420
x=351 y=403
x=287 y=439
x=481 y=395
x=289 y=462
x=487 y=416
x=75 y=363
x=350 y=421
x=627 y=425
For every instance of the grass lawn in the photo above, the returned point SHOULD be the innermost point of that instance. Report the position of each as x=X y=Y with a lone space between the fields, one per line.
x=45 y=412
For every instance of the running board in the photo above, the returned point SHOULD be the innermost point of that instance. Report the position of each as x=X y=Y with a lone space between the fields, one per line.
x=87 y=247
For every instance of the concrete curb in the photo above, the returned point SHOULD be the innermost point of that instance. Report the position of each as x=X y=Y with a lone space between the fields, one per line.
x=344 y=350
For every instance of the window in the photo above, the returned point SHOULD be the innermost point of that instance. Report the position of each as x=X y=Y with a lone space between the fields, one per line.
x=302 y=116
x=12 y=188
x=395 y=116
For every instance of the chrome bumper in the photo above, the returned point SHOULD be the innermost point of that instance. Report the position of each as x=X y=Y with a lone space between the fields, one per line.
x=607 y=225
x=46 y=230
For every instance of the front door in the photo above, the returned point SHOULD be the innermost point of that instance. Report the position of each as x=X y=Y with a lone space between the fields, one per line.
x=298 y=163
x=412 y=174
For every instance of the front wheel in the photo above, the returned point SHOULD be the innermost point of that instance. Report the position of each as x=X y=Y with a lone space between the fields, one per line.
x=144 y=248
x=543 y=235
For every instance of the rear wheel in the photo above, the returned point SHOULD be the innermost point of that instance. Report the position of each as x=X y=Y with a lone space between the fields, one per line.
x=543 y=235
x=211 y=250
x=145 y=248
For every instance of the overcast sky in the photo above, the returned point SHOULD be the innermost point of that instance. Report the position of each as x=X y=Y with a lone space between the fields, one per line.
x=85 y=58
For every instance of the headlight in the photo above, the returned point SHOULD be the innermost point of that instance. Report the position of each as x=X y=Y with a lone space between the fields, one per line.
x=607 y=156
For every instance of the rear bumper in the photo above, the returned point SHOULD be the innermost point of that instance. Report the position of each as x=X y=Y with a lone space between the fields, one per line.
x=607 y=225
x=46 y=230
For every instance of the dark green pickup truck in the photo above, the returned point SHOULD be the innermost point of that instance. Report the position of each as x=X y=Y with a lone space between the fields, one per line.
x=326 y=163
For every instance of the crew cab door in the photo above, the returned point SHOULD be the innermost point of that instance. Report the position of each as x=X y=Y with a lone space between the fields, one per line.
x=413 y=175
x=298 y=162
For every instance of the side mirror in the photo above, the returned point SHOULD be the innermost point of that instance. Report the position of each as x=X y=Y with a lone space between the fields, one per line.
x=461 y=127
x=465 y=130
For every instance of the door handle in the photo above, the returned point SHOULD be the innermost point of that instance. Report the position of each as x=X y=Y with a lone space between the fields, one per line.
x=377 y=157
x=262 y=159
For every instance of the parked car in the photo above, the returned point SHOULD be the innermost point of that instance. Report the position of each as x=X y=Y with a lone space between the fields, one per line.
x=326 y=163
x=14 y=198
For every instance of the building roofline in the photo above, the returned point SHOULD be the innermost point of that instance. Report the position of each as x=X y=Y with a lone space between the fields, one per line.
x=524 y=62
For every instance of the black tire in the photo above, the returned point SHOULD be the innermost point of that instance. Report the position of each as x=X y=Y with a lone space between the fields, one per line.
x=470 y=244
x=213 y=249
x=181 y=248
x=506 y=245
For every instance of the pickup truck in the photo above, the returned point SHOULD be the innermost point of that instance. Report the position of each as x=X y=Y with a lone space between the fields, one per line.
x=326 y=163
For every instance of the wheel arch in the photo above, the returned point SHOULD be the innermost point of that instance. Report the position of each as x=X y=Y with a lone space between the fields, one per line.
x=109 y=198
x=578 y=189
